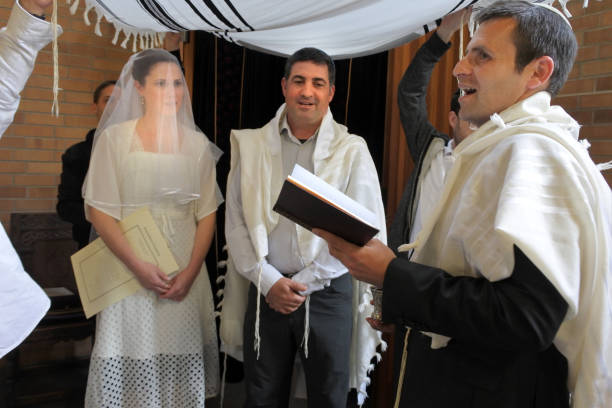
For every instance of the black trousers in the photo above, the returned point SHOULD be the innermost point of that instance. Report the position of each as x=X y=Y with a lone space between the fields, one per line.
x=268 y=379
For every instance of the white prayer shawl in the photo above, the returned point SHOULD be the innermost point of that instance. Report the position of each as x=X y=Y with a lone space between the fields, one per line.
x=22 y=302
x=342 y=160
x=523 y=178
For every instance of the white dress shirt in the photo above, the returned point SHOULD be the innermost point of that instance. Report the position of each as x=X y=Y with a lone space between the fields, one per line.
x=284 y=255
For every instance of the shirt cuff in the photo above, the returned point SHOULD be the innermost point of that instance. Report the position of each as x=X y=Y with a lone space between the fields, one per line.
x=269 y=276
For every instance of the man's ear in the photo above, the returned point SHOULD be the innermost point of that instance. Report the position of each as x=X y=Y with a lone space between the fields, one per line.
x=452 y=119
x=284 y=86
x=542 y=69
x=332 y=92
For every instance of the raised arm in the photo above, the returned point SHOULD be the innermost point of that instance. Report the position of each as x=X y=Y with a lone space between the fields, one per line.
x=412 y=90
x=20 y=41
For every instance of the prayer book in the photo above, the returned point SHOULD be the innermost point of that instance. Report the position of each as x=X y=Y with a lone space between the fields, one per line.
x=102 y=279
x=311 y=203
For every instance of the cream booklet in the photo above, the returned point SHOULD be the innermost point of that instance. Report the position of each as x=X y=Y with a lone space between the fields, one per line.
x=102 y=279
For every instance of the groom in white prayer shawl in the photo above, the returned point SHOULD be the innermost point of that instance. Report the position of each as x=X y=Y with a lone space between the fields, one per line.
x=301 y=300
x=508 y=290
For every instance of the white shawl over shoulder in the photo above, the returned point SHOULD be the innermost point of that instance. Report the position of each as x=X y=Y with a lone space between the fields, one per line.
x=342 y=160
x=524 y=179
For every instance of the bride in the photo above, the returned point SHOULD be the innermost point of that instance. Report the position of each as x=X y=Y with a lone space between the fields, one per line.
x=158 y=347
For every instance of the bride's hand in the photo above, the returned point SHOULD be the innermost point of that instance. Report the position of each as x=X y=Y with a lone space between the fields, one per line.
x=151 y=277
x=180 y=285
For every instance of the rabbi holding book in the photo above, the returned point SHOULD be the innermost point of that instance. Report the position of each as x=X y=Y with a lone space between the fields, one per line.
x=507 y=292
x=301 y=299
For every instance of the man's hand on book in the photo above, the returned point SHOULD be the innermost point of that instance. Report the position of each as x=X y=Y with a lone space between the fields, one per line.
x=283 y=296
x=367 y=263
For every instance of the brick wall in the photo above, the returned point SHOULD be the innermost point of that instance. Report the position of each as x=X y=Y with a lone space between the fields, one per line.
x=587 y=95
x=31 y=148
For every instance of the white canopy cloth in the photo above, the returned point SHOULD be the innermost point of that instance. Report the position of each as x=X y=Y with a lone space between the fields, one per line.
x=343 y=28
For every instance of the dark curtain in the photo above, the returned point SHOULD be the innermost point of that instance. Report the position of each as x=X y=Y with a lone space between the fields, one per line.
x=243 y=87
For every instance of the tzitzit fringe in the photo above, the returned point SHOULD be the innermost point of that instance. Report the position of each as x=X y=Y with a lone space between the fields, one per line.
x=141 y=39
x=257 y=339
x=407 y=247
x=56 y=88
x=604 y=166
x=400 y=381
x=222 y=397
x=306 y=326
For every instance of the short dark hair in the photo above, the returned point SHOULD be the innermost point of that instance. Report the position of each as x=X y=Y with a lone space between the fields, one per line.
x=100 y=88
x=315 y=56
x=539 y=32
x=146 y=59
x=454 y=103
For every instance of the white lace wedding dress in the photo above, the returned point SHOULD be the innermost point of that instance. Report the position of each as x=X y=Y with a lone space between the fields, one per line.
x=152 y=352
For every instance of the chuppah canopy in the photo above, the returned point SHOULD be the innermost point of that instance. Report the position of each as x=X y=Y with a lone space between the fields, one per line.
x=343 y=28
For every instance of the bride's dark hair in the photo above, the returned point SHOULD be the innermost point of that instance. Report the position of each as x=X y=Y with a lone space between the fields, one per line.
x=147 y=59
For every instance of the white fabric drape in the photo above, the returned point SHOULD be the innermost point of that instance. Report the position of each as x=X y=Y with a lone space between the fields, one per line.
x=343 y=28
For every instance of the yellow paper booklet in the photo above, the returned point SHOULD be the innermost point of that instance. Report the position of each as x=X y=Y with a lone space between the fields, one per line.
x=102 y=279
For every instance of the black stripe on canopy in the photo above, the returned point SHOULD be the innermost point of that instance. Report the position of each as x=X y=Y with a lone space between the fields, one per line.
x=231 y=6
x=195 y=10
x=211 y=6
x=158 y=13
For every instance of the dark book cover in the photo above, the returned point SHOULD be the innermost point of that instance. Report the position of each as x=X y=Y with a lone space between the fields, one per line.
x=310 y=210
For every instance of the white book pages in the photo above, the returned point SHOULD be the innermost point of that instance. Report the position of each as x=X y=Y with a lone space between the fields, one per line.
x=303 y=177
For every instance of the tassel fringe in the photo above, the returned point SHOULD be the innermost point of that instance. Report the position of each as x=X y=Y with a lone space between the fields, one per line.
x=604 y=166
x=400 y=381
x=56 y=88
x=141 y=39
x=257 y=340
x=306 y=326
x=222 y=396
x=407 y=247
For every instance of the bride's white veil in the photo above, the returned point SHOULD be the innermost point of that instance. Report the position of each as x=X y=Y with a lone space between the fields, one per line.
x=147 y=149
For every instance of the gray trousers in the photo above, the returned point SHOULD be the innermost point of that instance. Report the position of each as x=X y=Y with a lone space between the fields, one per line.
x=268 y=379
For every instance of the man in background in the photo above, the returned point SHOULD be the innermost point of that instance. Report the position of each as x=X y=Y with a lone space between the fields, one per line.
x=430 y=149
x=75 y=162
